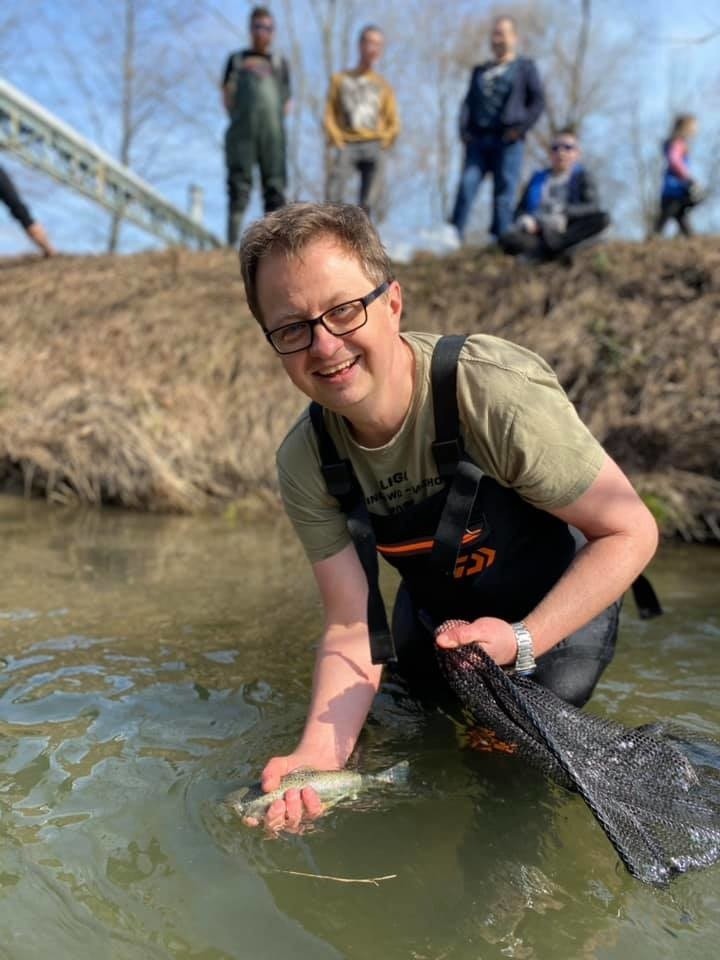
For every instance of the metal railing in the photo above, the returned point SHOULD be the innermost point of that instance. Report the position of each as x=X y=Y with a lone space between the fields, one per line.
x=46 y=143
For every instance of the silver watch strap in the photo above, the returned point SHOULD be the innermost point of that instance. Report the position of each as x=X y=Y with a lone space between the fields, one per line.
x=525 y=660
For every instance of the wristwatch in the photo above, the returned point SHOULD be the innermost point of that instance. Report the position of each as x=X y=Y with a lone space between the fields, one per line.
x=525 y=660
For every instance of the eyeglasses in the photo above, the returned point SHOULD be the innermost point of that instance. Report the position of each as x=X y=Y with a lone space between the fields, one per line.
x=264 y=27
x=566 y=147
x=340 y=320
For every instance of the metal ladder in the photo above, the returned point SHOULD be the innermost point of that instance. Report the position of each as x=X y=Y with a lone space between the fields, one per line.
x=41 y=140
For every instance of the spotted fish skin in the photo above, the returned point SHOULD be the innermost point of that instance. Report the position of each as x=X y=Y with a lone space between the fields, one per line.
x=330 y=785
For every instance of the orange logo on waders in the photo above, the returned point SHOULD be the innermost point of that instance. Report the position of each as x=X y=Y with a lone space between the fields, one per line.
x=475 y=562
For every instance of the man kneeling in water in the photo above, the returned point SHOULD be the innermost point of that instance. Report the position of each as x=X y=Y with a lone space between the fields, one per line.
x=461 y=460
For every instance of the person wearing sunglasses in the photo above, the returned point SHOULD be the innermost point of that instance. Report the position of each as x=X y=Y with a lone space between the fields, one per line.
x=256 y=96
x=458 y=459
x=559 y=206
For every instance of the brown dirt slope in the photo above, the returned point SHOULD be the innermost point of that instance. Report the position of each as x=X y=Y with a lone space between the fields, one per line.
x=142 y=380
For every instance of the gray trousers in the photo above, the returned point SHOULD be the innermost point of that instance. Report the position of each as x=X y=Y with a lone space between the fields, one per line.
x=366 y=158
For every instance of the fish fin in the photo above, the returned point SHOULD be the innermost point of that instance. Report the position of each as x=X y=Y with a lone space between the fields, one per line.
x=399 y=773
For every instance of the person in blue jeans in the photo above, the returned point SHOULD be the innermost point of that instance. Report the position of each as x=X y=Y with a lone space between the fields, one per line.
x=504 y=100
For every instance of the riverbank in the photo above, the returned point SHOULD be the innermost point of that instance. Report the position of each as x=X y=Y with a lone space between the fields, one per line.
x=141 y=381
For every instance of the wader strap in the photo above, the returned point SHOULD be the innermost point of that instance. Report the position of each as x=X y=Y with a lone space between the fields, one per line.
x=342 y=484
x=447 y=448
x=463 y=476
x=338 y=474
x=382 y=645
x=646 y=599
x=455 y=517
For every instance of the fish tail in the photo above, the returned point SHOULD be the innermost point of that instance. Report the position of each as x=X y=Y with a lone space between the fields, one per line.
x=399 y=773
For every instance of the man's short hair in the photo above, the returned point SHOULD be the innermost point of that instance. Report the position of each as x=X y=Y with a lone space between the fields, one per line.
x=293 y=227
x=505 y=18
x=260 y=13
x=369 y=28
x=569 y=130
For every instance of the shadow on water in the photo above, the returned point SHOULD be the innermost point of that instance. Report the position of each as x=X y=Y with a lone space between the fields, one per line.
x=153 y=664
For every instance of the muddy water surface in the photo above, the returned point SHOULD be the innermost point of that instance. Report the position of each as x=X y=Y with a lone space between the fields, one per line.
x=151 y=664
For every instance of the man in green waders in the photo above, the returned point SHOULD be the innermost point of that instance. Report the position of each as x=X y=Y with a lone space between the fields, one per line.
x=256 y=94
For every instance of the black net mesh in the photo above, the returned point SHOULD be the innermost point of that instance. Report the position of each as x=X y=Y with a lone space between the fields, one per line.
x=655 y=789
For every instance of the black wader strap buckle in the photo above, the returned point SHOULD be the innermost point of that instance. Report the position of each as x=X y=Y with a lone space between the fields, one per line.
x=447 y=454
x=339 y=479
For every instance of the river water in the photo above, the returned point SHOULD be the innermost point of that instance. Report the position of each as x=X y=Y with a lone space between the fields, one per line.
x=152 y=664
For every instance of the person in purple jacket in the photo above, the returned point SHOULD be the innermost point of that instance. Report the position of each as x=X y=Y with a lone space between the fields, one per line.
x=559 y=206
x=504 y=100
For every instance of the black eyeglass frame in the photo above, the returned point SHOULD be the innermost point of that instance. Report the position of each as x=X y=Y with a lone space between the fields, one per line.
x=563 y=145
x=314 y=321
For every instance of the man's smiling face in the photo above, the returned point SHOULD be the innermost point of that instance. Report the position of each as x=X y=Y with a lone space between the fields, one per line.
x=341 y=373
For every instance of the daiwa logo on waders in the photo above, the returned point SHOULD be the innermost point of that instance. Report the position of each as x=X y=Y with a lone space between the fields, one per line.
x=475 y=562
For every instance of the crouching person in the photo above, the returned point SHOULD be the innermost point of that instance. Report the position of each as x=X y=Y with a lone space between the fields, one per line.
x=559 y=206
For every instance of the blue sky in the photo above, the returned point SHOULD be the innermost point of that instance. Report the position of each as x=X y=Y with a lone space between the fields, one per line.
x=670 y=74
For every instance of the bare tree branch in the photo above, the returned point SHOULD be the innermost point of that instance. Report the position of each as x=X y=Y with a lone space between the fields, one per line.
x=577 y=72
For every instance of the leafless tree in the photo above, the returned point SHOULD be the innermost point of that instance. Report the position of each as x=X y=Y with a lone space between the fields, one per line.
x=314 y=55
x=581 y=64
x=15 y=17
x=430 y=85
x=297 y=171
x=645 y=169
x=131 y=85
x=141 y=78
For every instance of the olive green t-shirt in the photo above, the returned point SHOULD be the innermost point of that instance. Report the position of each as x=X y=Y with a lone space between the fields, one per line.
x=516 y=422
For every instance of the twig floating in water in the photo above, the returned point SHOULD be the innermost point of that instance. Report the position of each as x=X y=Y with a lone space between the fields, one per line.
x=321 y=876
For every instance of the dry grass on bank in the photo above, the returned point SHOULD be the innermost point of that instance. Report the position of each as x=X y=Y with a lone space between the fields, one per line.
x=139 y=381
x=143 y=381
x=633 y=331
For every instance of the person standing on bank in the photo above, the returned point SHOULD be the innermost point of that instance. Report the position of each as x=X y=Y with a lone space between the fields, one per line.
x=12 y=200
x=559 y=207
x=361 y=123
x=680 y=192
x=256 y=95
x=504 y=100
x=462 y=462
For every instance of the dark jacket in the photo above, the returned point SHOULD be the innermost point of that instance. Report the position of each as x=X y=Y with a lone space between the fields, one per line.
x=582 y=193
x=11 y=198
x=522 y=107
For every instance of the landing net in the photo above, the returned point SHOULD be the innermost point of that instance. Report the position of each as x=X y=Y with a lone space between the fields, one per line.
x=654 y=789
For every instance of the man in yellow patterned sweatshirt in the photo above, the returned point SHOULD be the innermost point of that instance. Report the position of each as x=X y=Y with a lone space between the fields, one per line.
x=361 y=122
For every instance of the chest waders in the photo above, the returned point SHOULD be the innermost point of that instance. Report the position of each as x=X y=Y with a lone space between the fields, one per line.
x=256 y=135
x=472 y=549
